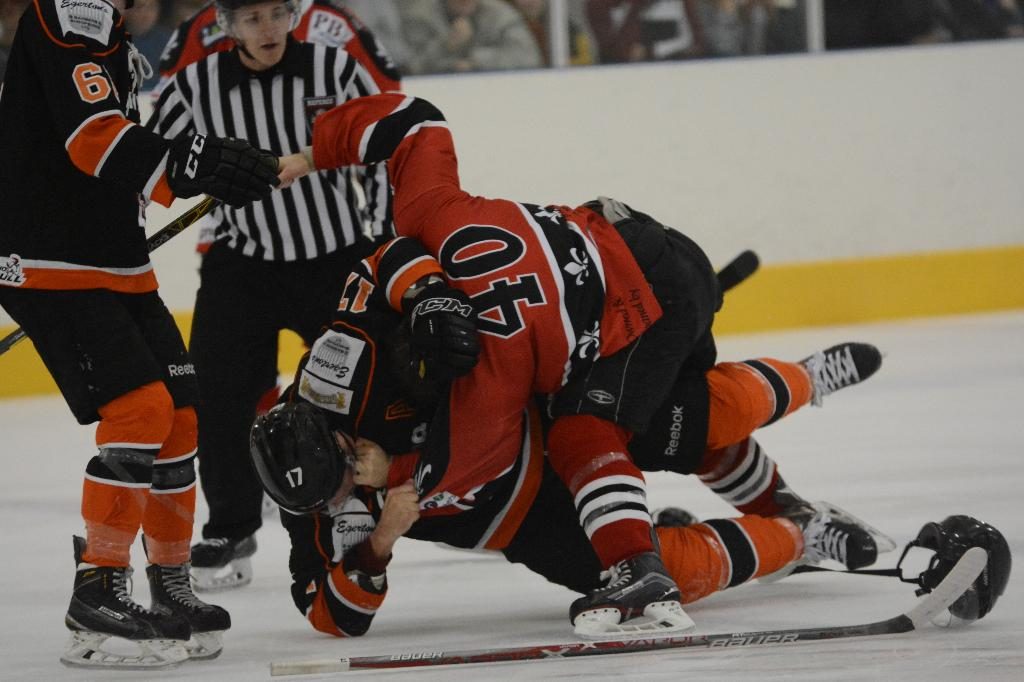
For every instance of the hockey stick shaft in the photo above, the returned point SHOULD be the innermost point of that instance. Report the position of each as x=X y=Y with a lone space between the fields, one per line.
x=155 y=241
x=955 y=584
x=738 y=269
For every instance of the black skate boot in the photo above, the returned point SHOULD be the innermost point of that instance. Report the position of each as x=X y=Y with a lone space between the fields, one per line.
x=841 y=366
x=832 y=533
x=172 y=593
x=639 y=598
x=222 y=563
x=828 y=537
x=101 y=607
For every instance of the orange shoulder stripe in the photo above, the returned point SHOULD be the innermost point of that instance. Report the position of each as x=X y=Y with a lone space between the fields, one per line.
x=90 y=145
x=409 y=276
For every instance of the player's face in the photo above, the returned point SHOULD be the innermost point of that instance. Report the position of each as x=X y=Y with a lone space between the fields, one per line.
x=263 y=30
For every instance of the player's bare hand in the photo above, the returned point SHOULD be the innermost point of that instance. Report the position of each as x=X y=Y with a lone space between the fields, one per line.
x=372 y=464
x=401 y=510
x=291 y=168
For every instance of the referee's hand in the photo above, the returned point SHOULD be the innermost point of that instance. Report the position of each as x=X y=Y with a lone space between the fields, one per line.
x=294 y=166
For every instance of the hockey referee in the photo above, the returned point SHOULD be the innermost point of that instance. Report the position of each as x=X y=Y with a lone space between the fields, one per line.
x=275 y=264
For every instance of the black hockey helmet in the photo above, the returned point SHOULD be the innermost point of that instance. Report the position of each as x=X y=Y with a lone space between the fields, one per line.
x=950 y=540
x=225 y=8
x=301 y=462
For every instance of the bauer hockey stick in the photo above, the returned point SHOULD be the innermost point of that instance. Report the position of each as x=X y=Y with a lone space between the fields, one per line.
x=949 y=590
x=158 y=239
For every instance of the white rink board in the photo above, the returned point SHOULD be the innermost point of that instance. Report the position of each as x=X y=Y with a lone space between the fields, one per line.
x=936 y=432
x=801 y=158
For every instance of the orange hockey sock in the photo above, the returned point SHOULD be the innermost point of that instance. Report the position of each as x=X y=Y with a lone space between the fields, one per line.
x=170 y=509
x=745 y=396
x=721 y=553
x=131 y=431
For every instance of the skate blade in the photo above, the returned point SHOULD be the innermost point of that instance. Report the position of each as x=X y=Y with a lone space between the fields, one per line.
x=882 y=541
x=659 y=618
x=236 y=573
x=203 y=646
x=86 y=650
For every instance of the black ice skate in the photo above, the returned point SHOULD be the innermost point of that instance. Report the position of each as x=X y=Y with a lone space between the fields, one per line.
x=172 y=593
x=832 y=534
x=102 y=607
x=639 y=598
x=840 y=366
x=222 y=563
x=829 y=538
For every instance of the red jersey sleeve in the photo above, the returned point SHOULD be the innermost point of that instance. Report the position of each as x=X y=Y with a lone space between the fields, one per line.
x=409 y=133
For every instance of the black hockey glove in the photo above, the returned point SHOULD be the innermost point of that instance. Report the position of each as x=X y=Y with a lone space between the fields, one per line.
x=225 y=168
x=443 y=333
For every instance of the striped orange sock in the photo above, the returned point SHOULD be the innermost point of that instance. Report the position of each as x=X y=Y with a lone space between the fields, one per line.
x=170 y=509
x=720 y=553
x=745 y=396
x=131 y=431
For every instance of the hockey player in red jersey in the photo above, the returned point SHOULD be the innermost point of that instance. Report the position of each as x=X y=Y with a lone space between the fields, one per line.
x=600 y=307
x=76 y=275
x=368 y=375
x=363 y=377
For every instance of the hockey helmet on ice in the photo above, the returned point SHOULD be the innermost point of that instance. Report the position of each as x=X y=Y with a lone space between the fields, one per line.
x=300 y=460
x=950 y=540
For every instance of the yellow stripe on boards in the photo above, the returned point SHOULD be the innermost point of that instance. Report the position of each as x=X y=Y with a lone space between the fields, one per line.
x=870 y=289
x=777 y=297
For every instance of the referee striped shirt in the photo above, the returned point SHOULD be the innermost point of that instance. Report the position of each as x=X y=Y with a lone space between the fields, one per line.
x=274 y=110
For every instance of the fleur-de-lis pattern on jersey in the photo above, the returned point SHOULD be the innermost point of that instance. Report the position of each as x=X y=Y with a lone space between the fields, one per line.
x=548 y=214
x=589 y=339
x=579 y=268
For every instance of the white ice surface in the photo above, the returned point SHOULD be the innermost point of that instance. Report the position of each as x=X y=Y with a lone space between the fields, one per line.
x=938 y=431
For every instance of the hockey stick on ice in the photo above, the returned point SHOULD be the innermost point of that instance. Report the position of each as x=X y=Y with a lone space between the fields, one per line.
x=949 y=590
x=738 y=269
x=154 y=242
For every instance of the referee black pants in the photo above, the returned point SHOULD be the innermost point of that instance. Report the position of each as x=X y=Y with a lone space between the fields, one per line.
x=241 y=306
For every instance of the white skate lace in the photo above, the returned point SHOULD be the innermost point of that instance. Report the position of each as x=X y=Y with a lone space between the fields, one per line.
x=176 y=584
x=830 y=372
x=617 y=575
x=823 y=540
x=123 y=587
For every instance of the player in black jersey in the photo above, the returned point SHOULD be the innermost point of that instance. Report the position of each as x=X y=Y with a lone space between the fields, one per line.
x=75 y=274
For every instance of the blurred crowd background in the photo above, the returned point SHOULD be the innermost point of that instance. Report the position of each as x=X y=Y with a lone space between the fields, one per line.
x=448 y=36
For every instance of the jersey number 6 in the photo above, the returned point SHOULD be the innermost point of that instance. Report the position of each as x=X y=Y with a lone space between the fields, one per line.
x=92 y=85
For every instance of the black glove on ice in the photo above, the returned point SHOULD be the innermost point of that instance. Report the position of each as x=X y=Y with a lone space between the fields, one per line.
x=225 y=168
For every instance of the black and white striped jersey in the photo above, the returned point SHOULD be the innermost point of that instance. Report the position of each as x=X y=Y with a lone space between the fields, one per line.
x=274 y=110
